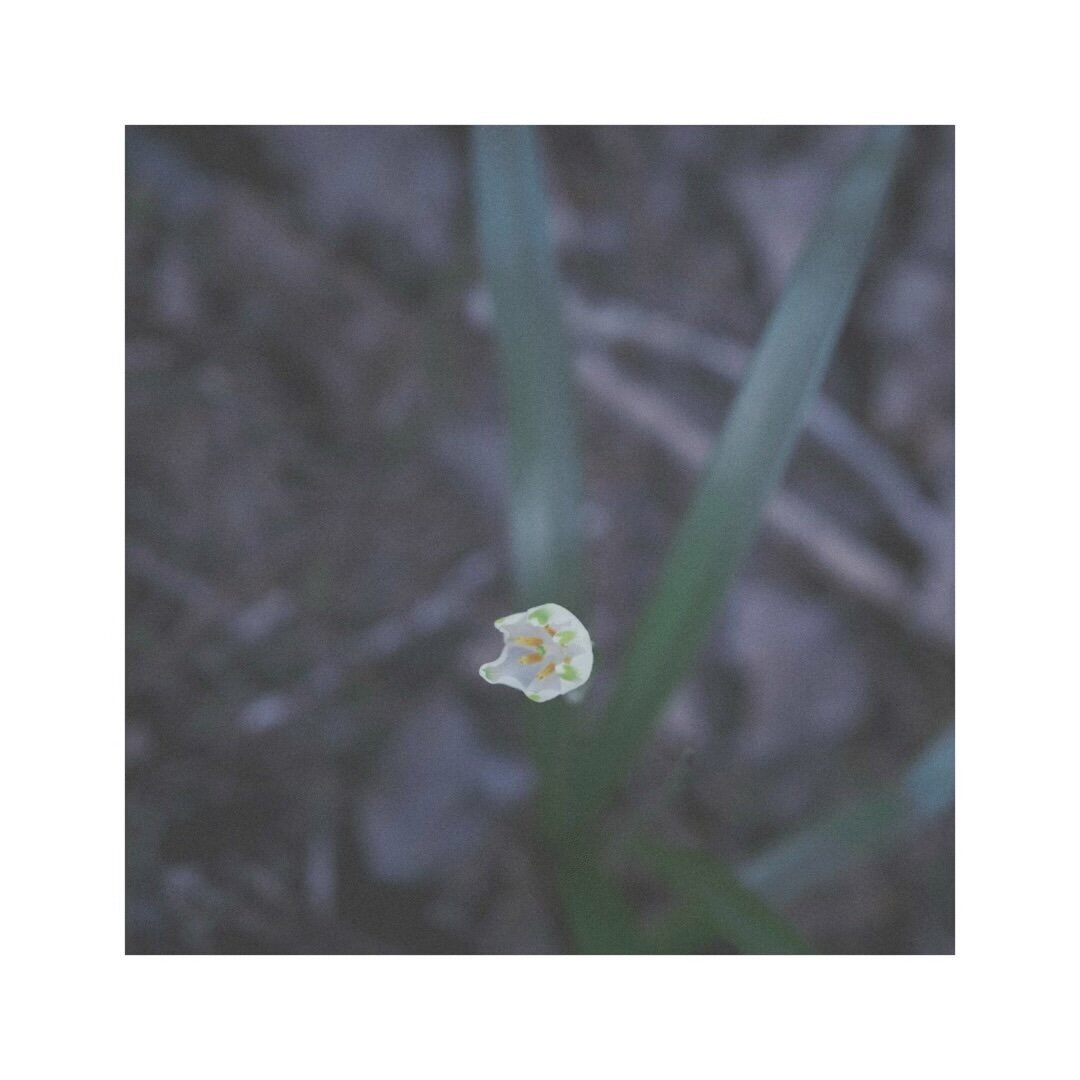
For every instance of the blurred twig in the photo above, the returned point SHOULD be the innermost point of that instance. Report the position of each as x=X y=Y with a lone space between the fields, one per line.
x=842 y=556
x=249 y=900
x=203 y=601
x=617 y=323
x=386 y=638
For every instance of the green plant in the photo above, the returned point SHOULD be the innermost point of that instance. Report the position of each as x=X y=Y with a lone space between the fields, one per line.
x=583 y=763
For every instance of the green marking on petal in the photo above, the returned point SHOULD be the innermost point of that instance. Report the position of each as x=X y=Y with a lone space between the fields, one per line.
x=540 y=615
x=564 y=637
x=487 y=674
x=569 y=673
x=534 y=697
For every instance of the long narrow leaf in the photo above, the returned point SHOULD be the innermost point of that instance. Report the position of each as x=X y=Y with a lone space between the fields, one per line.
x=863 y=830
x=853 y=835
x=784 y=376
x=598 y=915
x=519 y=267
x=545 y=529
x=719 y=904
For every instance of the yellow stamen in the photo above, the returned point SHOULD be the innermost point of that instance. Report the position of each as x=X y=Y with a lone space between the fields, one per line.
x=549 y=630
x=533 y=658
x=547 y=671
x=532 y=642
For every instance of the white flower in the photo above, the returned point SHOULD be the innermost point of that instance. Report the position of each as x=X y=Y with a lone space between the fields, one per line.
x=546 y=652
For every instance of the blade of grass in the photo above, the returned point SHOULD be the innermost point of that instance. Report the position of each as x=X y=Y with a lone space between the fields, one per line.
x=716 y=904
x=599 y=917
x=855 y=834
x=519 y=266
x=545 y=494
x=784 y=376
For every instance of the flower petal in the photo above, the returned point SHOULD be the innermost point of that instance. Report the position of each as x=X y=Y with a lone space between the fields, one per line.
x=546 y=652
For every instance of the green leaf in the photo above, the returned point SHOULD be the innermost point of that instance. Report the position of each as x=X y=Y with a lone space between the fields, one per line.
x=715 y=905
x=599 y=918
x=519 y=266
x=545 y=465
x=863 y=830
x=783 y=377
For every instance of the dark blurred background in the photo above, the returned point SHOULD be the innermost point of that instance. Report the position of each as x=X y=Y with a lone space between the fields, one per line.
x=317 y=471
